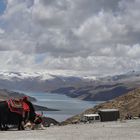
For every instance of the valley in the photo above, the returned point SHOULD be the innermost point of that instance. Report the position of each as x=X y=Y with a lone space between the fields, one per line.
x=81 y=87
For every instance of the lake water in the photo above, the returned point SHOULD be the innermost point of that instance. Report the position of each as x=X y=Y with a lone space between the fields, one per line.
x=68 y=106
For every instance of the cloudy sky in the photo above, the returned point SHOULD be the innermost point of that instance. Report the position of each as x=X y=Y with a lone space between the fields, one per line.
x=84 y=36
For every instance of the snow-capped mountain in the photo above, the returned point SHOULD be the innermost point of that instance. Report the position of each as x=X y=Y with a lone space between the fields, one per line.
x=24 y=75
x=40 y=75
x=48 y=81
x=41 y=81
x=71 y=84
x=125 y=77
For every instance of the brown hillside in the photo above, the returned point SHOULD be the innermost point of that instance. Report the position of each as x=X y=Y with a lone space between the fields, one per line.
x=128 y=103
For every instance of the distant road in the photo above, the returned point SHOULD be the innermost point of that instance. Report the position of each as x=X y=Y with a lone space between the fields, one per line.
x=129 y=130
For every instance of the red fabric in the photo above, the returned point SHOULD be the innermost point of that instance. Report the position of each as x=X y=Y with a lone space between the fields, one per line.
x=26 y=107
x=16 y=110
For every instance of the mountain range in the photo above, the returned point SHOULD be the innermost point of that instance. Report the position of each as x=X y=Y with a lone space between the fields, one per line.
x=40 y=81
x=103 y=88
x=82 y=87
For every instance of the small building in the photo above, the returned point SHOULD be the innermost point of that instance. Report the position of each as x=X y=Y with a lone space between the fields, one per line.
x=109 y=114
x=90 y=118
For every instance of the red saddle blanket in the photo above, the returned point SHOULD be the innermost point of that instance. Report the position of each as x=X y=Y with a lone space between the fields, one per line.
x=17 y=106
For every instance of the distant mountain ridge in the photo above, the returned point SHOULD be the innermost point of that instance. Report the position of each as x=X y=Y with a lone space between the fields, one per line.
x=40 y=81
x=94 y=93
x=84 y=87
x=41 y=75
x=104 y=88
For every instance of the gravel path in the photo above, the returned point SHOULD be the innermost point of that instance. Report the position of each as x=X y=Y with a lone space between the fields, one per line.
x=129 y=130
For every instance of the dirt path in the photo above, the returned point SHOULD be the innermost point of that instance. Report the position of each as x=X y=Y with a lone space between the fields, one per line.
x=129 y=130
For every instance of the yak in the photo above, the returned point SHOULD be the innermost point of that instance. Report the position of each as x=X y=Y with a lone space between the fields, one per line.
x=12 y=118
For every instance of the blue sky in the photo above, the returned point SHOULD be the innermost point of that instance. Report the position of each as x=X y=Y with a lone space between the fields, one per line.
x=2 y=6
x=94 y=37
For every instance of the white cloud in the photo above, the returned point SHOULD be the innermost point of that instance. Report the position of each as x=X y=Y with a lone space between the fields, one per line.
x=16 y=61
x=99 y=36
x=101 y=27
x=2 y=31
x=131 y=13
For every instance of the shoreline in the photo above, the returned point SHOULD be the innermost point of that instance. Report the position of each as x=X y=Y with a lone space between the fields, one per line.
x=43 y=108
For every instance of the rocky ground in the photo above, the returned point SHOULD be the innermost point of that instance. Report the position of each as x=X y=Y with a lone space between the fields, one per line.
x=127 y=104
x=125 y=130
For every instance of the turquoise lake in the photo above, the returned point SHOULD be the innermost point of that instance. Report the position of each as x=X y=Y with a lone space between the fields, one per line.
x=68 y=106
